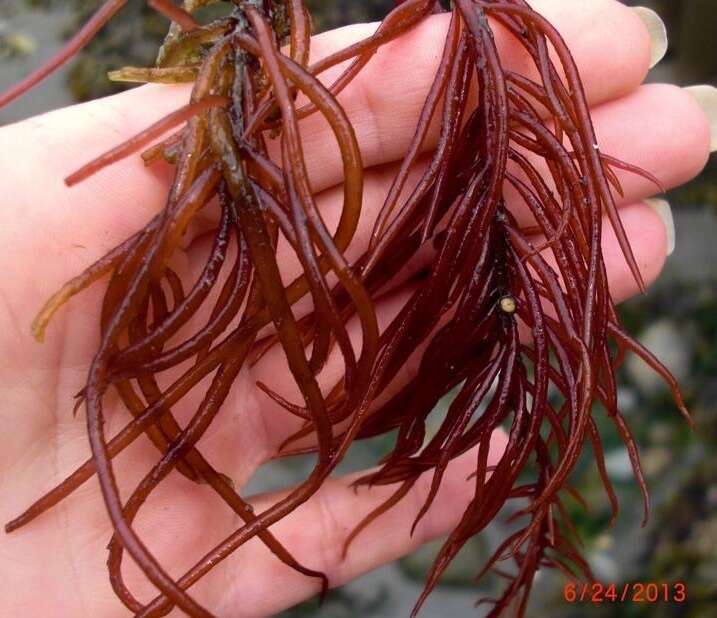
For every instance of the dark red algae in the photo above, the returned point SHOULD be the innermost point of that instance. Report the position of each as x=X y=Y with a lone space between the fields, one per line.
x=469 y=311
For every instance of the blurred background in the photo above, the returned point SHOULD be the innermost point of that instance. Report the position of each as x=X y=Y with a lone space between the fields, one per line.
x=677 y=319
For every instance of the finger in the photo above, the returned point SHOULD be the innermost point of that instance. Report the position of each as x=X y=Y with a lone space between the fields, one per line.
x=53 y=232
x=383 y=103
x=315 y=534
x=649 y=235
x=659 y=128
x=649 y=232
x=609 y=42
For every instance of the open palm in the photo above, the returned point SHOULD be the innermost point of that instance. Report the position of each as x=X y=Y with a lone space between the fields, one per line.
x=48 y=233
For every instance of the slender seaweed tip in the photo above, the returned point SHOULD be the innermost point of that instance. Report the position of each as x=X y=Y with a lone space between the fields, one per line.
x=71 y=180
x=416 y=522
x=682 y=408
x=646 y=512
x=37 y=329
x=641 y=283
x=13 y=525
x=325 y=586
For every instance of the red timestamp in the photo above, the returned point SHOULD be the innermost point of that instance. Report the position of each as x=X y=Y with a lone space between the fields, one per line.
x=633 y=592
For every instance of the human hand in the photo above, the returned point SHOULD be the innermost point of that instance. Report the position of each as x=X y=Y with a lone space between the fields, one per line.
x=49 y=233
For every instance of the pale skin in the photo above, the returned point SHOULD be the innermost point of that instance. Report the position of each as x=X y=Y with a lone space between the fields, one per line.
x=48 y=233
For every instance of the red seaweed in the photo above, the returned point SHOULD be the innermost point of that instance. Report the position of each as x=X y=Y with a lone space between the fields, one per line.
x=489 y=279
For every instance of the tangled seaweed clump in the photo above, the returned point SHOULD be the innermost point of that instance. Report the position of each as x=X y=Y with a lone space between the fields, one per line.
x=525 y=331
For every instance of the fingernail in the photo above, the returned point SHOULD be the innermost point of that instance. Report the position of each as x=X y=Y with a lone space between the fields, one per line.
x=658 y=32
x=707 y=98
x=664 y=211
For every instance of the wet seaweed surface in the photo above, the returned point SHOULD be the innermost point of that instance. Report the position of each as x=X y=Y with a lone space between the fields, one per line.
x=523 y=330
